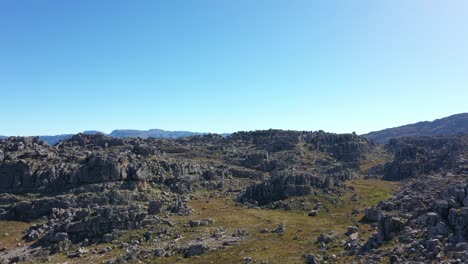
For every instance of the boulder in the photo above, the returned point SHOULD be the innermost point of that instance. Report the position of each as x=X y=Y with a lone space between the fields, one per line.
x=154 y=207
x=195 y=250
x=388 y=227
x=372 y=214
x=311 y=259
x=313 y=213
x=352 y=230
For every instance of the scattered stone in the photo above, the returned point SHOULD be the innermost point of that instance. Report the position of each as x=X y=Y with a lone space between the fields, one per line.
x=313 y=213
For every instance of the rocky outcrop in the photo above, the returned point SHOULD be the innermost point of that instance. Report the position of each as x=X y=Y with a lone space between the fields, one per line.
x=288 y=183
x=427 y=218
x=344 y=147
x=426 y=155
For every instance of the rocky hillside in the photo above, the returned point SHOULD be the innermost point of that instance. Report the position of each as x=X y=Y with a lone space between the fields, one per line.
x=101 y=186
x=420 y=156
x=445 y=126
x=102 y=199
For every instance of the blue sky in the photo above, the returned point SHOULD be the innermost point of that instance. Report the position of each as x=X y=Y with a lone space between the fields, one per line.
x=224 y=66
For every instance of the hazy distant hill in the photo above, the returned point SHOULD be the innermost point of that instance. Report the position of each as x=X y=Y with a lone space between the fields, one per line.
x=445 y=126
x=156 y=133
x=52 y=140
x=123 y=133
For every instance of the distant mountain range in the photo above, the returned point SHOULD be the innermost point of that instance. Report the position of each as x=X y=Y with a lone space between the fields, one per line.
x=123 y=133
x=155 y=133
x=445 y=126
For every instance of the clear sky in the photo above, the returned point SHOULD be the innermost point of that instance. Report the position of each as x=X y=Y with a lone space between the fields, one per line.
x=224 y=66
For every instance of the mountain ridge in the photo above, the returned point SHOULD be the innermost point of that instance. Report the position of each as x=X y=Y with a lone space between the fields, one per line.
x=123 y=133
x=457 y=123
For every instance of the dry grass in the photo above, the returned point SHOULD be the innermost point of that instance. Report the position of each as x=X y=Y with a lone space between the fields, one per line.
x=11 y=233
x=274 y=248
x=286 y=248
x=379 y=157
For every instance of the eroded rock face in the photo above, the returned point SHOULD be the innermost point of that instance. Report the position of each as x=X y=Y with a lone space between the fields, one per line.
x=388 y=227
x=345 y=147
x=288 y=183
x=426 y=155
x=282 y=185
x=93 y=223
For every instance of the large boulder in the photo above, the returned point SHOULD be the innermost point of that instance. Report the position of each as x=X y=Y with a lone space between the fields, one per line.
x=388 y=227
x=195 y=250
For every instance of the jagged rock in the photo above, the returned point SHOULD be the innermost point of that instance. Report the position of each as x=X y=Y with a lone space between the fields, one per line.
x=389 y=226
x=432 y=246
x=62 y=246
x=311 y=259
x=354 y=236
x=328 y=238
x=60 y=237
x=280 y=229
x=313 y=213
x=422 y=155
x=352 y=230
x=372 y=214
x=430 y=219
x=247 y=260
x=159 y=252
x=154 y=207
x=284 y=184
x=195 y=250
x=107 y=238
x=204 y=222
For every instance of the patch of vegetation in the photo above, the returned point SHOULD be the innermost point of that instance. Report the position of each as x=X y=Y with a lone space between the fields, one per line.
x=380 y=156
x=11 y=233
x=302 y=230
x=300 y=237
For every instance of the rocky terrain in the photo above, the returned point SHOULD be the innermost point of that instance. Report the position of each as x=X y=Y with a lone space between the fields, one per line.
x=269 y=196
x=124 y=133
x=444 y=126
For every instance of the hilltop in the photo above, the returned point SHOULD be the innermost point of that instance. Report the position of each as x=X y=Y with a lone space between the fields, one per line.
x=445 y=126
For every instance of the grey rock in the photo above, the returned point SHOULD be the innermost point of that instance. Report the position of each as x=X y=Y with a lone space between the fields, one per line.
x=154 y=207
x=195 y=250
x=352 y=230
x=60 y=237
x=388 y=226
x=354 y=236
x=159 y=252
x=313 y=213
x=311 y=259
x=328 y=238
x=372 y=214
